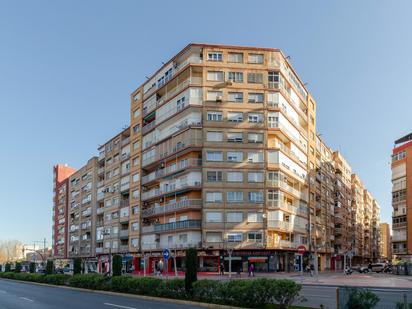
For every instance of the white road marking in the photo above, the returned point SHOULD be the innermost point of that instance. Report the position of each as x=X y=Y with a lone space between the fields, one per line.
x=28 y=299
x=118 y=306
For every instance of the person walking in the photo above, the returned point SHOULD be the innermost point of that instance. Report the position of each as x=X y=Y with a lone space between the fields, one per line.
x=251 y=270
x=222 y=268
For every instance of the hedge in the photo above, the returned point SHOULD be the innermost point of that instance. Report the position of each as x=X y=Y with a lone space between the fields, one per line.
x=254 y=293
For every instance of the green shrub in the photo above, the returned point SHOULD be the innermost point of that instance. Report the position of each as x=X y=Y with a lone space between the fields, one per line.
x=49 y=267
x=32 y=267
x=77 y=266
x=117 y=265
x=56 y=279
x=145 y=286
x=285 y=292
x=7 y=268
x=361 y=299
x=191 y=269
x=400 y=305
x=173 y=288
x=121 y=284
x=17 y=269
x=89 y=281
x=207 y=291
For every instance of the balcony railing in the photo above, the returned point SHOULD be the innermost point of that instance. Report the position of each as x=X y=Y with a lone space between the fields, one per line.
x=173 y=207
x=99 y=250
x=288 y=188
x=124 y=233
x=126 y=141
x=124 y=248
x=180 y=225
x=181 y=165
x=294 y=209
x=172 y=188
x=283 y=225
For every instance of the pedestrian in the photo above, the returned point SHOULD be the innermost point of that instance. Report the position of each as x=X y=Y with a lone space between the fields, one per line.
x=222 y=268
x=160 y=265
x=312 y=268
x=251 y=270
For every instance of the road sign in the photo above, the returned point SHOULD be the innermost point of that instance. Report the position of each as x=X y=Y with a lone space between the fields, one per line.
x=301 y=249
x=166 y=254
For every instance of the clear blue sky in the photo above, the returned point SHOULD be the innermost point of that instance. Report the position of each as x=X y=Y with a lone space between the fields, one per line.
x=67 y=69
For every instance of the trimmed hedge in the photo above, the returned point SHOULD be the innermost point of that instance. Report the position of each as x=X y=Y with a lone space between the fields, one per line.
x=253 y=293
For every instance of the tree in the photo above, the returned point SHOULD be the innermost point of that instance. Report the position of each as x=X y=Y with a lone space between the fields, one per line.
x=10 y=250
x=32 y=267
x=191 y=269
x=18 y=267
x=361 y=299
x=7 y=268
x=49 y=267
x=77 y=266
x=117 y=265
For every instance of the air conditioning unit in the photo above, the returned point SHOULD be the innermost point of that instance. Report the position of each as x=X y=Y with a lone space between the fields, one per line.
x=219 y=98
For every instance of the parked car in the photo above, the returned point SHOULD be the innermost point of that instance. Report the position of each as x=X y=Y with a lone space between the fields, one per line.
x=363 y=269
x=378 y=267
x=67 y=271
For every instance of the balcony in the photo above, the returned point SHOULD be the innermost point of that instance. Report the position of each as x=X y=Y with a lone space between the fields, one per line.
x=123 y=248
x=100 y=170
x=288 y=151
x=124 y=186
x=100 y=196
x=100 y=210
x=173 y=207
x=125 y=141
x=123 y=234
x=179 y=225
x=124 y=218
x=148 y=127
x=148 y=229
x=171 y=169
x=99 y=250
x=288 y=188
x=293 y=209
x=171 y=188
x=287 y=226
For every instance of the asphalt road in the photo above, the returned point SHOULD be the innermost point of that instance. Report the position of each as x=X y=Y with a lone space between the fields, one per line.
x=22 y=295
x=19 y=295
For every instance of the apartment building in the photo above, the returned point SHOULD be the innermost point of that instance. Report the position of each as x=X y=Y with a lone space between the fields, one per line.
x=112 y=195
x=82 y=213
x=61 y=174
x=402 y=198
x=222 y=154
x=385 y=242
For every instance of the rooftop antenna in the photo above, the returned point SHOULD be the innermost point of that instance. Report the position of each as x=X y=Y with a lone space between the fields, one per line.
x=288 y=57
x=147 y=77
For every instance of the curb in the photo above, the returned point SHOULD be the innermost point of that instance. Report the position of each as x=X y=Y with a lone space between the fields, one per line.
x=143 y=297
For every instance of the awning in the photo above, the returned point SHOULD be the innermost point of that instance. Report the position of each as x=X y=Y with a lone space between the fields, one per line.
x=255 y=259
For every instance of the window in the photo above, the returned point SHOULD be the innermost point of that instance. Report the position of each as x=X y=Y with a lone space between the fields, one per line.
x=254 y=217
x=234 y=156
x=254 y=236
x=236 y=77
x=213 y=217
x=399 y=156
x=255 y=177
x=235 y=57
x=136 y=129
x=214 y=176
x=214 y=95
x=255 y=157
x=273 y=80
x=234 y=237
x=136 y=113
x=255 y=58
x=234 y=176
x=273 y=195
x=234 y=196
x=213 y=237
x=214 y=136
x=215 y=76
x=215 y=56
x=214 y=116
x=136 y=177
x=215 y=156
x=255 y=98
x=135 y=242
x=183 y=238
x=214 y=197
x=135 y=226
x=236 y=97
x=233 y=217
x=235 y=116
x=255 y=118
x=235 y=137
x=255 y=78
x=255 y=197
x=255 y=137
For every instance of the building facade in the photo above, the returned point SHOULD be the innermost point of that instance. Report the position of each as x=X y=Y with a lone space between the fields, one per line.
x=222 y=154
x=61 y=174
x=385 y=242
x=402 y=198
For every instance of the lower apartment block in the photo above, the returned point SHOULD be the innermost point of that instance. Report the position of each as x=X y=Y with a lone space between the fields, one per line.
x=222 y=155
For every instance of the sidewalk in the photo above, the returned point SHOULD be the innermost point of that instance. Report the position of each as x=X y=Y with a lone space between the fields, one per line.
x=331 y=278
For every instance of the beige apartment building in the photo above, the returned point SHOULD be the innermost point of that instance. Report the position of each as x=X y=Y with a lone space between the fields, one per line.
x=402 y=199
x=82 y=208
x=113 y=186
x=222 y=154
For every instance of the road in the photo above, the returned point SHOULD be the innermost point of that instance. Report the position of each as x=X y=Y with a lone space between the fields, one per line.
x=24 y=295
x=21 y=295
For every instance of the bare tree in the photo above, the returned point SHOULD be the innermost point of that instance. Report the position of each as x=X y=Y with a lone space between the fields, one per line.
x=10 y=250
